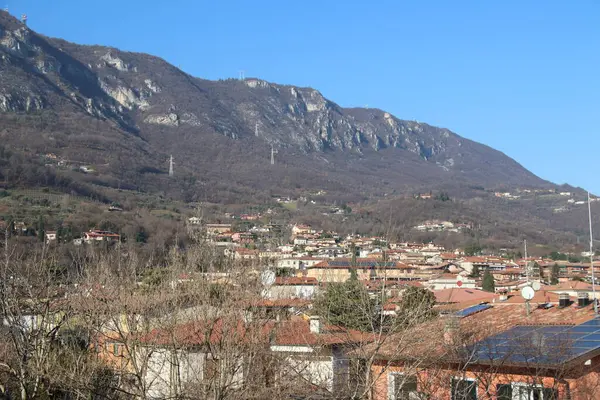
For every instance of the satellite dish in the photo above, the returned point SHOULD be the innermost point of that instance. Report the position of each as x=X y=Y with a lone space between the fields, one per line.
x=536 y=286
x=527 y=292
x=267 y=278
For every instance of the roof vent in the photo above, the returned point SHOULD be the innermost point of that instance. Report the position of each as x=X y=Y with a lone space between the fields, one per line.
x=583 y=299
x=315 y=324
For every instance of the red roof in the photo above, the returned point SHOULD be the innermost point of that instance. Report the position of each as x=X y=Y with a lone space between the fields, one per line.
x=462 y=295
x=292 y=332
x=296 y=332
x=296 y=280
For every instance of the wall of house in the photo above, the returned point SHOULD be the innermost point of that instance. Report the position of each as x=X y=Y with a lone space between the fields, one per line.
x=315 y=366
x=437 y=382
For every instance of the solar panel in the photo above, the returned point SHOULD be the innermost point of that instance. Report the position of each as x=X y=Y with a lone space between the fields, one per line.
x=472 y=310
x=540 y=344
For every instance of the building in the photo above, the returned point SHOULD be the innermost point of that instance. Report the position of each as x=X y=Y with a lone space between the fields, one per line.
x=451 y=281
x=494 y=352
x=96 y=235
x=297 y=263
x=293 y=288
x=215 y=229
x=50 y=236
x=339 y=270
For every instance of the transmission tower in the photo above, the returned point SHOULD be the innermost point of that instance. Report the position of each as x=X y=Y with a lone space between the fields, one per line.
x=273 y=152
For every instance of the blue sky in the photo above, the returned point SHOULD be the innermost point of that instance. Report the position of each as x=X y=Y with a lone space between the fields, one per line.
x=520 y=76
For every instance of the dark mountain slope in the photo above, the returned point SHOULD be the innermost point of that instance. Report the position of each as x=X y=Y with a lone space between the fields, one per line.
x=127 y=113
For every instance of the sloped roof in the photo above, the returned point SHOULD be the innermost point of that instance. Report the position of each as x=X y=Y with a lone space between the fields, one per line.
x=462 y=295
x=426 y=341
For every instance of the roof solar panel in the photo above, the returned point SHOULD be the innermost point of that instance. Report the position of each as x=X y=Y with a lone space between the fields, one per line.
x=540 y=344
x=594 y=322
x=472 y=310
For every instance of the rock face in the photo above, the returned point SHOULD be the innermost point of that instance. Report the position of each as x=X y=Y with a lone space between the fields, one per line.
x=142 y=94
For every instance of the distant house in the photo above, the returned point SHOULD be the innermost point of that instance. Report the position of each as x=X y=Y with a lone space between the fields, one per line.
x=293 y=288
x=99 y=236
x=50 y=236
x=339 y=270
x=302 y=230
x=298 y=262
x=451 y=281
x=215 y=229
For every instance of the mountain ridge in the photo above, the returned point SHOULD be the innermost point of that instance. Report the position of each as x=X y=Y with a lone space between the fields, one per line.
x=172 y=112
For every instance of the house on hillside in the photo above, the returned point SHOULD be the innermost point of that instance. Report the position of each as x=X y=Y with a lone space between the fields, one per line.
x=96 y=235
x=451 y=281
x=339 y=270
x=216 y=229
x=293 y=288
x=50 y=236
x=297 y=263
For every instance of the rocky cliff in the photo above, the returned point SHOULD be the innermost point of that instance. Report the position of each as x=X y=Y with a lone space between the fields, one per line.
x=149 y=109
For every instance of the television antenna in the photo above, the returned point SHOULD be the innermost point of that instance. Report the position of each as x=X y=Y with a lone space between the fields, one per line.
x=592 y=255
x=527 y=293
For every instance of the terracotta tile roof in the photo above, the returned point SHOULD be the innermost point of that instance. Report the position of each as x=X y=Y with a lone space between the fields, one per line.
x=571 y=286
x=207 y=332
x=282 y=303
x=296 y=332
x=345 y=263
x=296 y=280
x=292 y=332
x=463 y=295
x=427 y=340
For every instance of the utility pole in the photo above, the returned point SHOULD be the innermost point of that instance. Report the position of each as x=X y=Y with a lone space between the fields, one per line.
x=592 y=255
x=526 y=262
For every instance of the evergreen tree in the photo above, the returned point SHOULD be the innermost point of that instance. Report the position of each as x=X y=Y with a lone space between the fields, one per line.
x=475 y=273
x=416 y=305
x=40 y=229
x=347 y=304
x=554 y=273
x=488 y=282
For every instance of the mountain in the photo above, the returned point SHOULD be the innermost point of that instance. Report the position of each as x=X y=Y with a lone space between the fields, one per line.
x=126 y=113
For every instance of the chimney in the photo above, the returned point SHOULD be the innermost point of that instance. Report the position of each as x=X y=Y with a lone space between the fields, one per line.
x=583 y=299
x=315 y=324
x=451 y=329
x=563 y=300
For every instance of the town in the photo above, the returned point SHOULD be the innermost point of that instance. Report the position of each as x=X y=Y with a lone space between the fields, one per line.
x=330 y=316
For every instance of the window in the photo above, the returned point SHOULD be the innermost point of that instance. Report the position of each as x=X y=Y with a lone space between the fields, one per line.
x=116 y=349
x=463 y=389
x=504 y=392
x=403 y=387
x=211 y=369
x=524 y=391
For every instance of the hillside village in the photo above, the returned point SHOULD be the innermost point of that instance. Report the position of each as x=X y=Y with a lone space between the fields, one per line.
x=169 y=237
